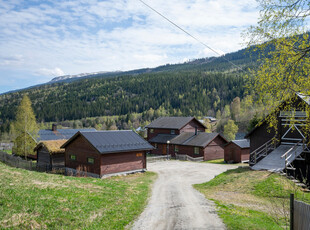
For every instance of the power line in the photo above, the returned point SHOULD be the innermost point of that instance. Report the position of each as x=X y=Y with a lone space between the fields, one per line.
x=192 y=36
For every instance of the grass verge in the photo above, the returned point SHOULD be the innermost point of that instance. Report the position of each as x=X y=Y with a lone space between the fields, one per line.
x=249 y=199
x=222 y=162
x=32 y=200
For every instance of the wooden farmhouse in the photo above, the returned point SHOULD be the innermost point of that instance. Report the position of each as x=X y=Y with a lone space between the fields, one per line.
x=184 y=136
x=48 y=135
x=237 y=151
x=106 y=152
x=285 y=148
x=50 y=155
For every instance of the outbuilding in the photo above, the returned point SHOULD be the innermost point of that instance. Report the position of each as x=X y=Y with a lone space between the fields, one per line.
x=237 y=151
x=50 y=154
x=106 y=152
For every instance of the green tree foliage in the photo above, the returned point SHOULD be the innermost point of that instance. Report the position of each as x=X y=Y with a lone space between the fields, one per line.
x=235 y=108
x=282 y=34
x=25 y=128
x=230 y=130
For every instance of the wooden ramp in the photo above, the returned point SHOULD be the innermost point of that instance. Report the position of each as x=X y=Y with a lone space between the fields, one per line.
x=274 y=162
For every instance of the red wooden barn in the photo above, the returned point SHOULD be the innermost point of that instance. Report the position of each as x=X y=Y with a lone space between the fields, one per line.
x=237 y=151
x=106 y=152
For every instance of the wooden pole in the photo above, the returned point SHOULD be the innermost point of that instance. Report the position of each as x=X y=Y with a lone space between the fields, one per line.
x=291 y=211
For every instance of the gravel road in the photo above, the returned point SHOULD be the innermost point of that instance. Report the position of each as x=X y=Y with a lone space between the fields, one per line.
x=174 y=203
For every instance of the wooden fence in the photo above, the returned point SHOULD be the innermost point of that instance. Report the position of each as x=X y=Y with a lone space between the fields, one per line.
x=184 y=157
x=300 y=215
x=18 y=162
x=158 y=158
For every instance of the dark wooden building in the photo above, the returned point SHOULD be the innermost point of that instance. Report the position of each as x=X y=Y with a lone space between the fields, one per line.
x=209 y=146
x=164 y=129
x=48 y=135
x=288 y=144
x=50 y=154
x=106 y=152
x=237 y=151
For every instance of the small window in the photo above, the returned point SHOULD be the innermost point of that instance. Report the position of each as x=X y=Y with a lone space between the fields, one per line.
x=176 y=149
x=73 y=157
x=90 y=160
x=172 y=131
x=155 y=145
x=196 y=150
x=152 y=131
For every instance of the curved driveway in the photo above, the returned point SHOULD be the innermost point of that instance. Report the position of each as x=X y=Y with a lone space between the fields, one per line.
x=174 y=203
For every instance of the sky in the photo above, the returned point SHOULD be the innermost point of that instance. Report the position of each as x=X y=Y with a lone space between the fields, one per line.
x=40 y=40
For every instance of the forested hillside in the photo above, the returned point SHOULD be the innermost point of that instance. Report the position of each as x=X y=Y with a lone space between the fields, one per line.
x=196 y=88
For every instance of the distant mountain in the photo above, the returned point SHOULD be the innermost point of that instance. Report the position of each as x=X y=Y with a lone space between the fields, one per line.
x=198 y=87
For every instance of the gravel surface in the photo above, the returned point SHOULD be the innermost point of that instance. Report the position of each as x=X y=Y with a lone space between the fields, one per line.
x=174 y=203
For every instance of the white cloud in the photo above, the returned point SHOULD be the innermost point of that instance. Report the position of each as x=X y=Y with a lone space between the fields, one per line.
x=87 y=36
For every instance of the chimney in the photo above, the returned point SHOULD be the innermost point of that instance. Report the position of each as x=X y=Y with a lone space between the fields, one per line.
x=54 y=127
x=196 y=130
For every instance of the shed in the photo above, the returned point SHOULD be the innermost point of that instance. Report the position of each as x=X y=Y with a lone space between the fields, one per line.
x=106 y=152
x=237 y=151
x=50 y=154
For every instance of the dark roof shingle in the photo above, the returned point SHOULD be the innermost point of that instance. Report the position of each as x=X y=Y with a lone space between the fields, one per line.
x=242 y=143
x=170 y=122
x=59 y=134
x=114 y=141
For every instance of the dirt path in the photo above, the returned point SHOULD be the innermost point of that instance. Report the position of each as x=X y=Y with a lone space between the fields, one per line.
x=174 y=203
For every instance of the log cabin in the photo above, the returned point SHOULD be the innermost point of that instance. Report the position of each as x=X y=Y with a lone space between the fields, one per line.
x=50 y=154
x=103 y=153
x=237 y=151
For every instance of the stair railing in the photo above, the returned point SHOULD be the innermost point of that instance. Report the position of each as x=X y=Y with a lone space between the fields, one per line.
x=263 y=150
x=287 y=156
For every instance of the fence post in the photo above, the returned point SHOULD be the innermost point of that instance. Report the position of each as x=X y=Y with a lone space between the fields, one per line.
x=291 y=211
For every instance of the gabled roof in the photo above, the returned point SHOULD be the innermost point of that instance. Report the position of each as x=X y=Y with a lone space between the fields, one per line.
x=244 y=143
x=303 y=98
x=113 y=141
x=199 y=140
x=162 y=138
x=171 y=122
x=54 y=146
x=59 y=134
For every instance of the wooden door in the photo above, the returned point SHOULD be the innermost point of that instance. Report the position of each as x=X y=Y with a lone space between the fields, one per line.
x=164 y=149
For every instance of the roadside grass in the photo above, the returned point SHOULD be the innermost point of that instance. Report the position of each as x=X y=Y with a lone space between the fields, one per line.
x=249 y=199
x=221 y=161
x=32 y=200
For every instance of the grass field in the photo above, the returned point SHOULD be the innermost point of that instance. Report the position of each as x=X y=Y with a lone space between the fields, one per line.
x=249 y=199
x=32 y=200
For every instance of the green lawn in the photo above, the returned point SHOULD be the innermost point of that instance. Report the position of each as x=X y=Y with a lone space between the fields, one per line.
x=32 y=200
x=7 y=151
x=249 y=199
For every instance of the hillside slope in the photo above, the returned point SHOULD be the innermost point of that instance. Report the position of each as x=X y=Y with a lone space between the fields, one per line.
x=32 y=200
x=192 y=88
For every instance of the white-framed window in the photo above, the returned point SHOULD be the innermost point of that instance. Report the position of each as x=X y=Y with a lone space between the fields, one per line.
x=172 y=131
x=73 y=157
x=155 y=146
x=176 y=149
x=151 y=130
x=196 y=150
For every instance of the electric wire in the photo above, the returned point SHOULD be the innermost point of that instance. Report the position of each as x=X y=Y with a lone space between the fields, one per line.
x=192 y=36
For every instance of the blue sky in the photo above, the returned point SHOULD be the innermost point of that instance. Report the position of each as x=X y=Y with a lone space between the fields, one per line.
x=40 y=40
